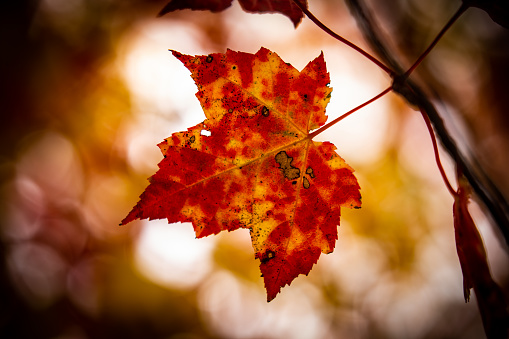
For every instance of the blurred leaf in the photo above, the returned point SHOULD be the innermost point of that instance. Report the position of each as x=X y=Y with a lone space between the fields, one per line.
x=474 y=265
x=498 y=10
x=286 y=7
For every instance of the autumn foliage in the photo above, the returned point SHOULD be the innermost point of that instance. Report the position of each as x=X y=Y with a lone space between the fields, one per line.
x=257 y=165
x=259 y=168
x=91 y=89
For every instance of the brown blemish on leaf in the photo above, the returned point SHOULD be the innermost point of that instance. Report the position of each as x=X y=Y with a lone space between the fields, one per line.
x=209 y=59
x=265 y=111
x=305 y=182
x=230 y=110
x=285 y=162
x=267 y=256
x=192 y=139
x=309 y=172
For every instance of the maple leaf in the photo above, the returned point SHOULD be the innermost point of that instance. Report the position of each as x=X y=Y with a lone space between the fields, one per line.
x=259 y=168
x=286 y=7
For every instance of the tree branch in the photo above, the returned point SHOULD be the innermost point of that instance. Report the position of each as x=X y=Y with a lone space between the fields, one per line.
x=481 y=184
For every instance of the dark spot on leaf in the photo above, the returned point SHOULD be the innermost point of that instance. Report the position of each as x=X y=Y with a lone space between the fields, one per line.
x=305 y=182
x=230 y=110
x=234 y=67
x=265 y=111
x=305 y=96
x=267 y=256
x=209 y=59
x=192 y=139
x=309 y=172
x=294 y=182
x=285 y=163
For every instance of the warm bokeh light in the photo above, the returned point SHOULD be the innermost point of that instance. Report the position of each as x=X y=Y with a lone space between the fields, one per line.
x=172 y=256
x=94 y=89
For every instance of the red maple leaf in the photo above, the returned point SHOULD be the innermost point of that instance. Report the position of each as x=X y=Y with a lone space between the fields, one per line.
x=259 y=168
x=286 y=7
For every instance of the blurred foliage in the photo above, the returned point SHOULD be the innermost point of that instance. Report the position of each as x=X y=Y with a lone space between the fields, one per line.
x=67 y=179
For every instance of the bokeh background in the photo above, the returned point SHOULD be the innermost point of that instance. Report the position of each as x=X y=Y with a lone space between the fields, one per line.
x=89 y=88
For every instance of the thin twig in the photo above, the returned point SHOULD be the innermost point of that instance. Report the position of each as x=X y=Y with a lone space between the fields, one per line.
x=481 y=183
x=343 y=40
x=451 y=21
x=338 y=119
x=437 y=154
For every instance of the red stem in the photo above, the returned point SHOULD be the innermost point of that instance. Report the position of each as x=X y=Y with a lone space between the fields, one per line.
x=343 y=40
x=437 y=155
x=335 y=121
x=389 y=71
x=451 y=21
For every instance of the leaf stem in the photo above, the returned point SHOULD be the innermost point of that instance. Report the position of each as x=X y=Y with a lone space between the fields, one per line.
x=335 y=121
x=343 y=40
x=437 y=155
x=451 y=21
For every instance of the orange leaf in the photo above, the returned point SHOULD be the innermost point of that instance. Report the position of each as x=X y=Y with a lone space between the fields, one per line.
x=475 y=269
x=258 y=169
